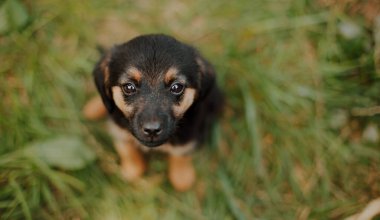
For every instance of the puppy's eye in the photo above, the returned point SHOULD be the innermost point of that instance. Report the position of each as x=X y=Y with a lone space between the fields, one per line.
x=177 y=88
x=129 y=88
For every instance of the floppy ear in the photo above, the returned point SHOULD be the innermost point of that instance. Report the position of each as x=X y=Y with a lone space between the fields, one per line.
x=101 y=77
x=207 y=76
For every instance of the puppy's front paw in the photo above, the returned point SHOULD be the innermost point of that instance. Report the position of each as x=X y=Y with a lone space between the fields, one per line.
x=181 y=173
x=133 y=167
x=131 y=172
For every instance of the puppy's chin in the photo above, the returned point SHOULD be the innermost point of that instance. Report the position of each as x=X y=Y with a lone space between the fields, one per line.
x=152 y=144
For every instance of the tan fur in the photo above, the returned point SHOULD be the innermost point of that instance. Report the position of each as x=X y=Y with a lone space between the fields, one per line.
x=186 y=102
x=94 y=109
x=181 y=172
x=170 y=75
x=178 y=150
x=132 y=73
x=117 y=94
x=132 y=161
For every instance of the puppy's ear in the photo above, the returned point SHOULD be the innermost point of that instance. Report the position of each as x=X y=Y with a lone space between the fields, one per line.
x=207 y=76
x=101 y=77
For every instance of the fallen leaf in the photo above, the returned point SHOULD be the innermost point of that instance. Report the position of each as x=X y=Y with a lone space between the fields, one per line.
x=66 y=152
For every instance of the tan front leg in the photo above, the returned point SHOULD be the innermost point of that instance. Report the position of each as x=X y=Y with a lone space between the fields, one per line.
x=181 y=172
x=132 y=161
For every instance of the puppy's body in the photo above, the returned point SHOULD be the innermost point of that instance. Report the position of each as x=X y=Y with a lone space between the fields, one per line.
x=160 y=93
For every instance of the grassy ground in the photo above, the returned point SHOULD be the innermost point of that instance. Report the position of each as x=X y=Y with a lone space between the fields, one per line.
x=298 y=140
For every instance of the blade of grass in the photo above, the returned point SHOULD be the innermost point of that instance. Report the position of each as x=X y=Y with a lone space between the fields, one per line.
x=51 y=202
x=230 y=198
x=252 y=125
x=21 y=198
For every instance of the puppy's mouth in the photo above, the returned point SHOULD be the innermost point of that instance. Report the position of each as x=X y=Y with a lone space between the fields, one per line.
x=151 y=133
x=150 y=140
x=152 y=143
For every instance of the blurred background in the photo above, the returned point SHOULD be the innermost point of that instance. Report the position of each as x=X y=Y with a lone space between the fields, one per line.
x=299 y=138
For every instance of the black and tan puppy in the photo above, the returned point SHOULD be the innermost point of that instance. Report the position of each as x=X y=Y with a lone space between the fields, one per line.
x=161 y=95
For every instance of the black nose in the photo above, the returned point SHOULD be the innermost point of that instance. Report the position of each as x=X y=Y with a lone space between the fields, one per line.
x=152 y=128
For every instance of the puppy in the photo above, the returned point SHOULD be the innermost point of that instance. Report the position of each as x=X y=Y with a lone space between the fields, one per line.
x=161 y=95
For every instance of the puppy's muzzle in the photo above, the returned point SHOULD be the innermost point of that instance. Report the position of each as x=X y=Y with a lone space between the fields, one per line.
x=152 y=126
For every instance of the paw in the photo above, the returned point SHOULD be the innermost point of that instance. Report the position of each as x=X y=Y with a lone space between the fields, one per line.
x=132 y=170
x=181 y=173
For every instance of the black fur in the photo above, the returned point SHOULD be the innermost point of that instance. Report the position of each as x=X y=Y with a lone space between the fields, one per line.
x=153 y=55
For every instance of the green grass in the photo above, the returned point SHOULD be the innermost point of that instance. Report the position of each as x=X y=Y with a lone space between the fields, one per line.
x=277 y=153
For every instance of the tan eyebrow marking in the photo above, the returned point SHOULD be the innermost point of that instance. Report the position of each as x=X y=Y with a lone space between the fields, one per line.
x=117 y=95
x=186 y=102
x=171 y=74
x=134 y=73
x=131 y=73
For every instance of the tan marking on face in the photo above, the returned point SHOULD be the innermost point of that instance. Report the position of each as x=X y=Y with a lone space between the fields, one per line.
x=186 y=102
x=119 y=101
x=170 y=75
x=134 y=73
x=131 y=73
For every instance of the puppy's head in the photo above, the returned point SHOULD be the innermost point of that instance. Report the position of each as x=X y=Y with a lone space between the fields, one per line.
x=151 y=81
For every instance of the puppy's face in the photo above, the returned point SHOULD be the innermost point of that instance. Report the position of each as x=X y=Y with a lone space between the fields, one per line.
x=152 y=80
x=153 y=105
